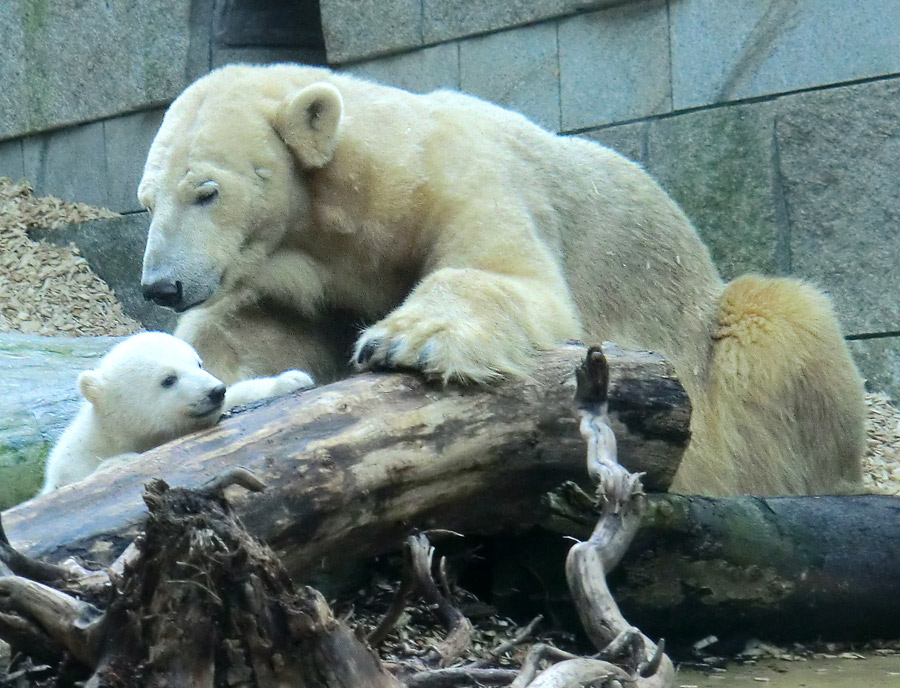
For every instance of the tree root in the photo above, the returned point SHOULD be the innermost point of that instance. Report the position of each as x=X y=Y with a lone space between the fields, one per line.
x=194 y=602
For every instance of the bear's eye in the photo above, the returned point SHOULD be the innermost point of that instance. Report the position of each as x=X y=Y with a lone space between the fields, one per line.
x=169 y=380
x=207 y=193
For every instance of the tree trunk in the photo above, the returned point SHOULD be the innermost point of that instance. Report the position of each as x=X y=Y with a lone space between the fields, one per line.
x=37 y=400
x=783 y=567
x=353 y=467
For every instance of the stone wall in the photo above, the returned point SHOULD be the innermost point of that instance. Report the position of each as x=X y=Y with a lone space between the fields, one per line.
x=775 y=123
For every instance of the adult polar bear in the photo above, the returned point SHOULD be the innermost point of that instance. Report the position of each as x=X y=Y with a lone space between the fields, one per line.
x=291 y=204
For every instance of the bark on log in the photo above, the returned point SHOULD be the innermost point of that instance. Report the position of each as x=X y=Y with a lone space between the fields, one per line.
x=353 y=467
x=37 y=400
x=779 y=568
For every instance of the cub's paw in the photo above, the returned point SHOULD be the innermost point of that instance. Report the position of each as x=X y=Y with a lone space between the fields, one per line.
x=460 y=350
x=292 y=381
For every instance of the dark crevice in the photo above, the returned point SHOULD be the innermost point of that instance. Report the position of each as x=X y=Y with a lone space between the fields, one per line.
x=872 y=335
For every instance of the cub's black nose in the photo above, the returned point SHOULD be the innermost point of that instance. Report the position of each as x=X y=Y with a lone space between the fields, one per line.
x=217 y=395
x=163 y=292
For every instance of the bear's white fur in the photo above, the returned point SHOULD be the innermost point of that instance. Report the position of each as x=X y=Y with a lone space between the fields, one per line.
x=289 y=204
x=147 y=390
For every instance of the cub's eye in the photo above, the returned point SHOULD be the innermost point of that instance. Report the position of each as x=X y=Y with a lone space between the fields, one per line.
x=207 y=193
x=169 y=380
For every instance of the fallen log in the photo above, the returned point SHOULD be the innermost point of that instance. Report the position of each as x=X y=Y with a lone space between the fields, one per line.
x=353 y=467
x=776 y=568
x=781 y=568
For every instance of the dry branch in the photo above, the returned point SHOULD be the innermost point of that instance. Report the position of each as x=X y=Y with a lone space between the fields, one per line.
x=621 y=499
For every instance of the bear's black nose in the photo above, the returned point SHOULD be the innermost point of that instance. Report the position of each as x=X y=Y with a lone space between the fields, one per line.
x=163 y=292
x=217 y=395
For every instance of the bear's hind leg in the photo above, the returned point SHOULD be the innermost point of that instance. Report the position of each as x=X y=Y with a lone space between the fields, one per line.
x=784 y=391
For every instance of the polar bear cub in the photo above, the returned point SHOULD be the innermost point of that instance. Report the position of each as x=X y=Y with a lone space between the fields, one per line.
x=147 y=390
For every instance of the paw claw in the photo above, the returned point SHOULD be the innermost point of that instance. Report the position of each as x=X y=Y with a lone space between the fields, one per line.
x=394 y=353
x=367 y=351
x=425 y=356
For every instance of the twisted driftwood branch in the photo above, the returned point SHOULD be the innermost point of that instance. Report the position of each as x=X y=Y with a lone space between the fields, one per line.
x=621 y=496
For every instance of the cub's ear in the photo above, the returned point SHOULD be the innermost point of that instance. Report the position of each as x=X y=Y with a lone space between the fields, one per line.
x=308 y=122
x=90 y=386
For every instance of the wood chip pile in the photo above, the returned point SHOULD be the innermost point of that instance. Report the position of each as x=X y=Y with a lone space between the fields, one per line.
x=882 y=463
x=50 y=290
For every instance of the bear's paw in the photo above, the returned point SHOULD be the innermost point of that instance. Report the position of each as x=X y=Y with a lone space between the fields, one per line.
x=442 y=348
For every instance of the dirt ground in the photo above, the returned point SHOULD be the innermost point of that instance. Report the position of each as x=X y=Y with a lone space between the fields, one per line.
x=868 y=669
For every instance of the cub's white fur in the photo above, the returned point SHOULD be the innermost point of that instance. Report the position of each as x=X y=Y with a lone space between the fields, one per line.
x=149 y=389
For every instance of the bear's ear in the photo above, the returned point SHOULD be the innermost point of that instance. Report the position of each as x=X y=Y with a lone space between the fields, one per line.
x=89 y=385
x=308 y=122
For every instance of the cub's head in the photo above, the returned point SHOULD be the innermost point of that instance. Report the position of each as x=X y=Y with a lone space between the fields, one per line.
x=225 y=176
x=151 y=388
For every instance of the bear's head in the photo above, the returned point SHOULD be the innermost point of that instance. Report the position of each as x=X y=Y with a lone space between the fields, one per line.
x=224 y=178
x=151 y=388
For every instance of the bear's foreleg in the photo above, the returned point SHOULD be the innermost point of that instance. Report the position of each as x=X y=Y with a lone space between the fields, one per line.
x=250 y=341
x=470 y=325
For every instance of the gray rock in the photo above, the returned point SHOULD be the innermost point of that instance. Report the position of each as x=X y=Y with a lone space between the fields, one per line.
x=12 y=162
x=614 y=65
x=879 y=363
x=628 y=139
x=69 y=164
x=718 y=165
x=114 y=250
x=127 y=140
x=516 y=69
x=419 y=71
x=839 y=154
x=198 y=60
x=71 y=62
x=356 y=29
x=730 y=50
x=449 y=19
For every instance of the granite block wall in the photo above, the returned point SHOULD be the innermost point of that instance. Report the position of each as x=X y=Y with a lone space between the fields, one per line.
x=775 y=123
